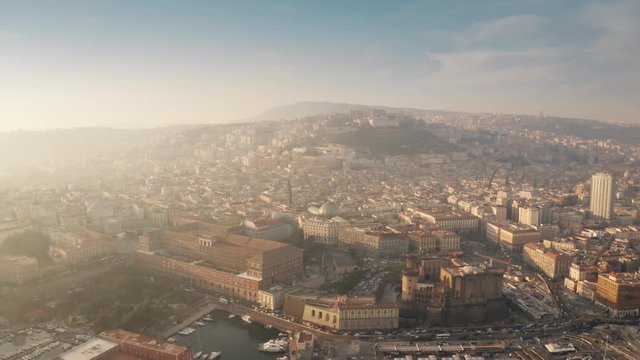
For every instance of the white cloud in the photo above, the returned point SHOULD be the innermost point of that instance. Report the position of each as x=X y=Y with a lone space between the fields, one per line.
x=489 y=70
x=507 y=28
x=499 y=57
x=618 y=44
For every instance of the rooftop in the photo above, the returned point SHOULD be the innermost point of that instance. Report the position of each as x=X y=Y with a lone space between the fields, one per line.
x=143 y=341
x=626 y=278
x=244 y=275
x=89 y=350
x=18 y=260
x=471 y=270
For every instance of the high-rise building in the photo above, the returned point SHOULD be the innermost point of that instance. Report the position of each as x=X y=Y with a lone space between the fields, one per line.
x=602 y=190
x=529 y=215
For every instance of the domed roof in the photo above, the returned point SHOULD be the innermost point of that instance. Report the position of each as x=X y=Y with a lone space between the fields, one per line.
x=329 y=209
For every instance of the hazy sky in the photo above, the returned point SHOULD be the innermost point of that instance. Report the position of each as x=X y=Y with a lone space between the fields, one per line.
x=158 y=62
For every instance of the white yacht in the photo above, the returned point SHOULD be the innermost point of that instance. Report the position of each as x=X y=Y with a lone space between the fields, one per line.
x=274 y=346
x=246 y=318
x=186 y=331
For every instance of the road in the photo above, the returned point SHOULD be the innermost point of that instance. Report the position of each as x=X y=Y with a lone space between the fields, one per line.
x=434 y=348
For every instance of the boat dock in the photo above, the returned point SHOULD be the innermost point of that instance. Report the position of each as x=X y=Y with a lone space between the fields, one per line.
x=204 y=310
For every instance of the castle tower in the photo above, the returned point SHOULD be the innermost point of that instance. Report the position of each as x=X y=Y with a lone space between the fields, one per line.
x=409 y=284
x=410 y=278
x=411 y=261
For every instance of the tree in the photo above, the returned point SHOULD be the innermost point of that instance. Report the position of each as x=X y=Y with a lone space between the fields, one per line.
x=32 y=243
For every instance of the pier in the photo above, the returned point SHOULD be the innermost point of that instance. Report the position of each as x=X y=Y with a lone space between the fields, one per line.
x=204 y=310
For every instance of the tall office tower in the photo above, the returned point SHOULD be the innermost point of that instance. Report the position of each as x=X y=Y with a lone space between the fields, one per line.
x=602 y=190
x=529 y=215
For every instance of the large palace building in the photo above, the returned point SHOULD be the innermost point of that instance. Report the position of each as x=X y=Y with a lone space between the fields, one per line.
x=342 y=313
x=213 y=258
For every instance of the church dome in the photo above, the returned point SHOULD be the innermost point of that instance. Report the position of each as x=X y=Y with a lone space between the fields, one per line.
x=329 y=209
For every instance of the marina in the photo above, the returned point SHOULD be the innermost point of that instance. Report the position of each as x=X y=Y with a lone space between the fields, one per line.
x=228 y=337
x=174 y=329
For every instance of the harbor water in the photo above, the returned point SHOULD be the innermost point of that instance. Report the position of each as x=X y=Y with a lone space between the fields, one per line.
x=235 y=338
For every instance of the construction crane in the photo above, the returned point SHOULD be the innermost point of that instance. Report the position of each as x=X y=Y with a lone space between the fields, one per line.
x=498 y=260
x=493 y=176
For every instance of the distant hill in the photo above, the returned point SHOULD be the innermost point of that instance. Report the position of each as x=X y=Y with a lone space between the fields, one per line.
x=311 y=108
x=586 y=129
x=392 y=141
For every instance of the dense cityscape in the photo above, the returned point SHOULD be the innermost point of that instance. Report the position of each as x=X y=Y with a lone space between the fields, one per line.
x=319 y=180
x=368 y=234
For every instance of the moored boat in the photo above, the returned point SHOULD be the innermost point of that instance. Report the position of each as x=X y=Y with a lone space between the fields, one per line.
x=246 y=318
x=274 y=346
x=215 y=355
x=186 y=331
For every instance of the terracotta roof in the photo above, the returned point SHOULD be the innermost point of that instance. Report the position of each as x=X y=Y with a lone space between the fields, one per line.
x=143 y=341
